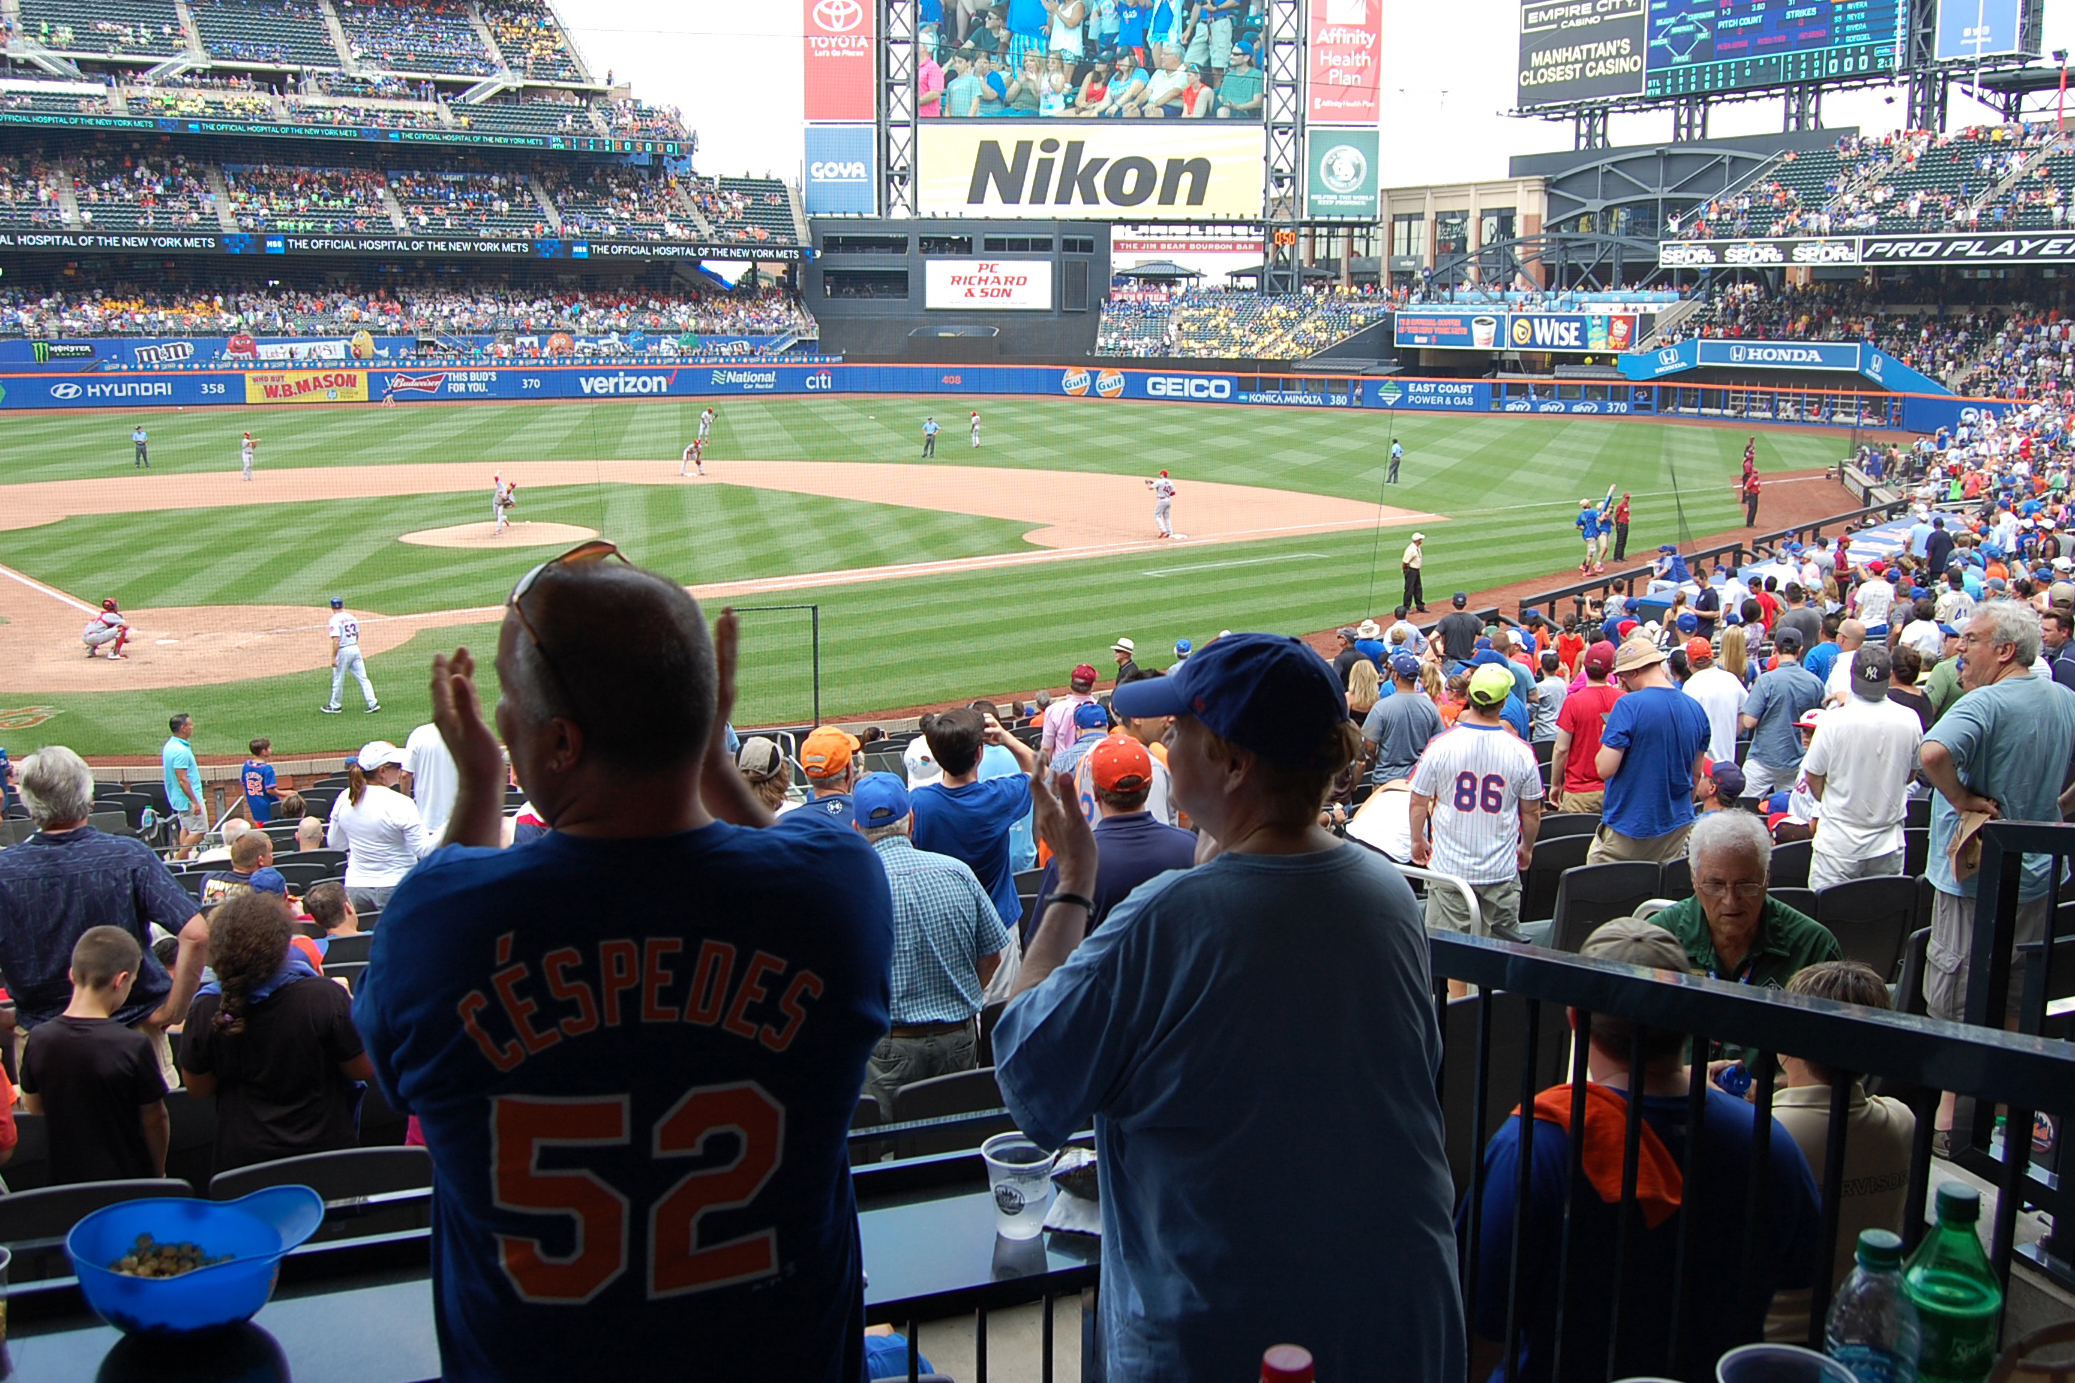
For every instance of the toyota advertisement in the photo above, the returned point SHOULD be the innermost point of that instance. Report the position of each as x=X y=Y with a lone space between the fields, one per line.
x=839 y=35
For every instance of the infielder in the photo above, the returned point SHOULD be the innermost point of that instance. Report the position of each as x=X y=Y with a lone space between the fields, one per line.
x=1163 y=503
x=345 y=658
x=108 y=627
x=503 y=495
x=694 y=455
x=706 y=423
x=929 y=436
x=246 y=450
x=976 y=429
x=138 y=439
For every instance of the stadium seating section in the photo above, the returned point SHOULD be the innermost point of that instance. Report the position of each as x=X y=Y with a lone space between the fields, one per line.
x=312 y=200
x=122 y=28
x=28 y=195
x=140 y=191
x=758 y=209
x=283 y=32
x=206 y=103
x=67 y=101
x=532 y=43
x=617 y=203
x=525 y=117
x=458 y=203
x=1232 y=323
x=401 y=36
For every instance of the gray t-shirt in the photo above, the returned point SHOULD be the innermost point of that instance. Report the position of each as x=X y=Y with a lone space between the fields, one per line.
x=1400 y=726
x=1803 y=620
x=1549 y=695
x=1777 y=700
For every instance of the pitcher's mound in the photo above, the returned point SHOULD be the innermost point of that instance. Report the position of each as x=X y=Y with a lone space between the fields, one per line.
x=514 y=535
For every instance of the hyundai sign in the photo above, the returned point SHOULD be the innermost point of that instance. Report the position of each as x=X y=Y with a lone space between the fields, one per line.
x=841 y=179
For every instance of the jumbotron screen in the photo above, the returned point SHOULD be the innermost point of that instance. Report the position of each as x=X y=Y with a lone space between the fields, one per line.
x=1583 y=50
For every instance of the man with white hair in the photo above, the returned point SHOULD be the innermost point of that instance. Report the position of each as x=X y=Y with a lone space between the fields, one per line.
x=69 y=877
x=1859 y=766
x=2001 y=749
x=1730 y=928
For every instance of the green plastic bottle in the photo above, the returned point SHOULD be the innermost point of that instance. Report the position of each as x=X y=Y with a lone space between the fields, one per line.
x=1958 y=1300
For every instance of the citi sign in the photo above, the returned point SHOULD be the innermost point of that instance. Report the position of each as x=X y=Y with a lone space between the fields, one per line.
x=624 y=383
x=1187 y=387
x=821 y=381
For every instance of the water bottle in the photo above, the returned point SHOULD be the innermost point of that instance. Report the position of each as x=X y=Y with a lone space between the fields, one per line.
x=1958 y=1300
x=1873 y=1327
x=1287 y=1364
x=148 y=822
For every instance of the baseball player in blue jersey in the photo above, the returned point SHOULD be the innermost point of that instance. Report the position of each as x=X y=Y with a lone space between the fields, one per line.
x=345 y=658
x=637 y=1118
x=138 y=439
x=929 y=436
x=1476 y=805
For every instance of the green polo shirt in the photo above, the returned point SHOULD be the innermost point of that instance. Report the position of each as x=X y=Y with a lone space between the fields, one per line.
x=1788 y=941
x=1942 y=686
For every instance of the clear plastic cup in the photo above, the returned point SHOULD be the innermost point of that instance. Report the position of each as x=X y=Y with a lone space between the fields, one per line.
x=1770 y=1363
x=1019 y=1174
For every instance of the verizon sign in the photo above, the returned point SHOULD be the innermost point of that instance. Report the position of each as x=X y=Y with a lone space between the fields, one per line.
x=838 y=59
x=1012 y=285
x=1343 y=61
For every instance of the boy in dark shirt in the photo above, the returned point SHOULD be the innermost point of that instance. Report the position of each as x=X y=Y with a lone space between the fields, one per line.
x=95 y=1081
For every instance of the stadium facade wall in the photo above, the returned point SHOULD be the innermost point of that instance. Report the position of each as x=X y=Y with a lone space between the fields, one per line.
x=351 y=383
x=73 y=354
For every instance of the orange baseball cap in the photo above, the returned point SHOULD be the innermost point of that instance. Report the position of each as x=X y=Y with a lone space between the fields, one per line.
x=1120 y=763
x=1699 y=648
x=826 y=752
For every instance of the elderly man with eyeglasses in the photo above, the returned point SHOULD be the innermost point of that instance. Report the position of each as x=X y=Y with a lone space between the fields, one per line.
x=1730 y=928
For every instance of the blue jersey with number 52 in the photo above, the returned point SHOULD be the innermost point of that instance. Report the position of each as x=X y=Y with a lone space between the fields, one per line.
x=635 y=1063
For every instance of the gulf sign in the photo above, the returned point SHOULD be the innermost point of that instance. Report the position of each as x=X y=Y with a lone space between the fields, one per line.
x=837 y=59
x=1342 y=61
x=306 y=386
x=1014 y=285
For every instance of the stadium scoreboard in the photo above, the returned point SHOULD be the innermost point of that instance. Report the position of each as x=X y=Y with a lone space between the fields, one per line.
x=1585 y=50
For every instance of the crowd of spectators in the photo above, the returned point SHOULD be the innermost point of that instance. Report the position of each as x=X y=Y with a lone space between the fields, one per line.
x=314 y=200
x=152 y=190
x=618 y=202
x=745 y=209
x=1229 y=322
x=465 y=201
x=401 y=308
x=532 y=43
x=27 y=197
x=414 y=36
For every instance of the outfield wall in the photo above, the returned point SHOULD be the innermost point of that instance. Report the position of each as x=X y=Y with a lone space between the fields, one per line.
x=352 y=383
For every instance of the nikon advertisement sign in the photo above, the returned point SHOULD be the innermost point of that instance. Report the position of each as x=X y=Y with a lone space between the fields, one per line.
x=1342 y=174
x=1580 y=50
x=1128 y=171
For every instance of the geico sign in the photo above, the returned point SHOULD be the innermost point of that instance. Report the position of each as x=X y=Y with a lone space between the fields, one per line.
x=1187 y=387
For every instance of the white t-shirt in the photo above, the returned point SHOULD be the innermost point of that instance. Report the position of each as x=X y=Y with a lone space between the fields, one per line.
x=345 y=629
x=381 y=835
x=1385 y=821
x=1478 y=775
x=1866 y=753
x=1876 y=600
x=434 y=779
x=1923 y=636
x=1721 y=695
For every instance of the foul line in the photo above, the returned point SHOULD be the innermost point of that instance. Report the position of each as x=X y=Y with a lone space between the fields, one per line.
x=50 y=591
x=1237 y=562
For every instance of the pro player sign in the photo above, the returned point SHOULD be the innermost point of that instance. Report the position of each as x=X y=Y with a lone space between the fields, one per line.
x=1000 y=285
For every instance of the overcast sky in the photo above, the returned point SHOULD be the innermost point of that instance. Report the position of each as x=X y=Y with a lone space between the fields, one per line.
x=733 y=67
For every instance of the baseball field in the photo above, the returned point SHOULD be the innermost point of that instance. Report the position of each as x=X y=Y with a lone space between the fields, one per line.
x=976 y=572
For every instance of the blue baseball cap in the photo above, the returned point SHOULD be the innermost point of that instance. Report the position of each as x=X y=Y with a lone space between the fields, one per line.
x=880 y=799
x=1089 y=715
x=336 y=603
x=1405 y=665
x=1182 y=648
x=1688 y=622
x=1265 y=692
x=1483 y=642
x=1948 y=631
x=269 y=880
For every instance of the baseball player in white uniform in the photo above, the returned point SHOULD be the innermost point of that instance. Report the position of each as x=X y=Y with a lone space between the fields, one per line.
x=108 y=627
x=1163 y=502
x=345 y=658
x=976 y=429
x=246 y=449
x=1476 y=805
x=503 y=495
x=706 y=423
x=694 y=456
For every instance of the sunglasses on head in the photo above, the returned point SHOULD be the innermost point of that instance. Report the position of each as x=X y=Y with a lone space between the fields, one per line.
x=583 y=554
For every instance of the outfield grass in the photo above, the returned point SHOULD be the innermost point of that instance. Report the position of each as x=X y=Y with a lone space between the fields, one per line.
x=1509 y=483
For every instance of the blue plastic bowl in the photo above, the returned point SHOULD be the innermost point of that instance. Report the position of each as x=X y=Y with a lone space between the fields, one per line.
x=255 y=1230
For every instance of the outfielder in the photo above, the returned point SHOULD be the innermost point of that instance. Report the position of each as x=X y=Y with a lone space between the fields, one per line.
x=976 y=429
x=345 y=658
x=706 y=423
x=138 y=439
x=246 y=449
x=1163 y=502
x=503 y=495
x=694 y=455
x=108 y=627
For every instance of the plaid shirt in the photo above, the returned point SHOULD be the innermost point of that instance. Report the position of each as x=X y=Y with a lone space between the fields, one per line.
x=943 y=923
x=54 y=887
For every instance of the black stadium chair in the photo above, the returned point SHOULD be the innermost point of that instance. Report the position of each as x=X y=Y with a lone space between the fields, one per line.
x=352 y=947
x=1556 y=824
x=1916 y=849
x=352 y=1173
x=51 y=1212
x=1545 y=868
x=1675 y=879
x=1790 y=864
x=1802 y=900
x=1871 y=919
x=961 y=1092
x=349 y=971
x=1594 y=893
x=302 y=873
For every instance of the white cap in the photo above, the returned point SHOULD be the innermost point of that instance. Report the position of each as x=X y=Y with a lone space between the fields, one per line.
x=375 y=753
x=1419 y=537
x=1124 y=646
x=920 y=764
